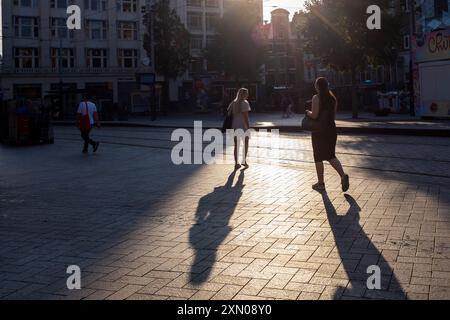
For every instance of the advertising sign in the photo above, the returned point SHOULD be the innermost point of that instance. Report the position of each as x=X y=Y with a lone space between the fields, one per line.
x=433 y=46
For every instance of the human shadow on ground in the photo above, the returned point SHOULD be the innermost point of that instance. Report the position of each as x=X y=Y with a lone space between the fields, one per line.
x=357 y=253
x=213 y=214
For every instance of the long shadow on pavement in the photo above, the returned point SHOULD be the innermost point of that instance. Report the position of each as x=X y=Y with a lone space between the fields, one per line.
x=357 y=253
x=213 y=213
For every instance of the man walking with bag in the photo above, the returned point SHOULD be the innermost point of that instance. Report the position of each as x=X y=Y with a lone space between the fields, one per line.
x=87 y=116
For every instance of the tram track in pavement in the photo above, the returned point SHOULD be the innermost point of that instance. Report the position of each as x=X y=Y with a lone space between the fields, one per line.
x=281 y=161
x=281 y=148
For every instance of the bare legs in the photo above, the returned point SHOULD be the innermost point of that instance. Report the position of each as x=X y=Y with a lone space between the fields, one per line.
x=245 y=151
x=236 y=150
x=335 y=163
x=319 y=170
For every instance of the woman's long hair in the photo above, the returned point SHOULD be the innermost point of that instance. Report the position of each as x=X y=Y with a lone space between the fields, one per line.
x=326 y=97
x=240 y=95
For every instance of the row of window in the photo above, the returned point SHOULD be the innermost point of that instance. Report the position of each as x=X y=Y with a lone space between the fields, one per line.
x=207 y=3
x=199 y=3
x=199 y=65
x=93 y=5
x=196 y=42
x=28 y=27
x=195 y=20
x=27 y=58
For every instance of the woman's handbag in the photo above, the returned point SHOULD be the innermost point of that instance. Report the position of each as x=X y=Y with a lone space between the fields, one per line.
x=309 y=124
x=227 y=123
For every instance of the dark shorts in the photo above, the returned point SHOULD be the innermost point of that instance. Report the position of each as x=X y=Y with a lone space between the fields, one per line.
x=324 y=145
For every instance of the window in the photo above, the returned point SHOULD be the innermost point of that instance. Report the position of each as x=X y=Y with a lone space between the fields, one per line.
x=380 y=72
x=127 y=58
x=26 y=58
x=194 y=3
x=67 y=58
x=194 y=20
x=126 y=30
x=95 y=5
x=196 y=66
x=406 y=43
x=97 y=58
x=212 y=3
x=96 y=29
x=26 y=3
x=59 y=4
x=211 y=66
x=127 y=5
x=210 y=41
x=440 y=6
x=196 y=42
x=26 y=27
x=211 y=20
x=291 y=79
x=405 y=5
x=58 y=29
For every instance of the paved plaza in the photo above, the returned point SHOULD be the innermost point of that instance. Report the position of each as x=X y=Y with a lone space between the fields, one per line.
x=140 y=227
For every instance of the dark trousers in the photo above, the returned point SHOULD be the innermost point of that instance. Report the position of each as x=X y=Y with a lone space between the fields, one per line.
x=87 y=140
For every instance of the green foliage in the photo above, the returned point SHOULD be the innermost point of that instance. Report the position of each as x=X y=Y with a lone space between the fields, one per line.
x=237 y=50
x=171 y=40
x=336 y=31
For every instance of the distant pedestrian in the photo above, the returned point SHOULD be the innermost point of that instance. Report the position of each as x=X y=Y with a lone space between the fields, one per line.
x=324 y=108
x=240 y=108
x=287 y=105
x=87 y=116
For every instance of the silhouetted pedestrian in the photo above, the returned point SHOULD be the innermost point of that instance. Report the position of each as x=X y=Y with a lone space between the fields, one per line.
x=87 y=116
x=324 y=108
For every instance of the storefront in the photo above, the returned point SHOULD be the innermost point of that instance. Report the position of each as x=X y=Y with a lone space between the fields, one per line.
x=432 y=74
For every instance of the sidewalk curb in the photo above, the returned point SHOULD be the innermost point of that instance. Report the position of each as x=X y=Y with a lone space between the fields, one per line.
x=289 y=129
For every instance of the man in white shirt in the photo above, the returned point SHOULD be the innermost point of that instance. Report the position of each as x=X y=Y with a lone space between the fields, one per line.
x=89 y=108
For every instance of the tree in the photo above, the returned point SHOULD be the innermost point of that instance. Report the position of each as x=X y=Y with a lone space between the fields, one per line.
x=237 y=50
x=336 y=31
x=166 y=32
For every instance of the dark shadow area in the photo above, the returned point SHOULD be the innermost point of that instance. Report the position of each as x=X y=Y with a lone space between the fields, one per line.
x=357 y=253
x=213 y=213
x=58 y=208
x=413 y=160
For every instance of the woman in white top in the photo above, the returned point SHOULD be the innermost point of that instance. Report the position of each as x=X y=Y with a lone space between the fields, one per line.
x=240 y=107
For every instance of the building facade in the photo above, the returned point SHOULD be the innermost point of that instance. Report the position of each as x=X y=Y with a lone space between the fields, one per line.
x=393 y=78
x=199 y=18
x=283 y=68
x=431 y=54
x=42 y=57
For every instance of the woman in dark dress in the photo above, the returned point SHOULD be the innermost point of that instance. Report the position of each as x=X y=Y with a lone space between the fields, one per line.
x=324 y=107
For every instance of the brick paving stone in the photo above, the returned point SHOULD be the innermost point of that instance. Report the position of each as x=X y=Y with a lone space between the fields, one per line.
x=99 y=295
x=279 y=294
x=203 y=295
x=178 y=233
x=303 y=275
x=227 y=292
x=176 y=292
x=279 y=281
x=308 y=296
